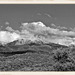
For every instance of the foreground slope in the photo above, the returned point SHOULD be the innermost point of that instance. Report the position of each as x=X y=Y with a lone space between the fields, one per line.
x=37 y=48
x=37 y=57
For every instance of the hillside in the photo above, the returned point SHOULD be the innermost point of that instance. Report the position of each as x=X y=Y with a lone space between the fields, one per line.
x=37 y=57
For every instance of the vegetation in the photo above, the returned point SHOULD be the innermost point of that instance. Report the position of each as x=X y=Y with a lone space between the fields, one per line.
x=41 y=57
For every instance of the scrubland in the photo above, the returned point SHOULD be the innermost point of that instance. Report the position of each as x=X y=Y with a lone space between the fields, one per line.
x=37 y=57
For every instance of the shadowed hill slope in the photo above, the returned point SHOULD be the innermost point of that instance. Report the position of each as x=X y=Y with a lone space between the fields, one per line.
x=37 y=57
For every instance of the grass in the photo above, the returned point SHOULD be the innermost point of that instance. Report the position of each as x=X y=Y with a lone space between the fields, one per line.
x=45 y=57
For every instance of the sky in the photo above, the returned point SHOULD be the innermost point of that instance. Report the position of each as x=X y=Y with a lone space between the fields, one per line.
x=58 y=14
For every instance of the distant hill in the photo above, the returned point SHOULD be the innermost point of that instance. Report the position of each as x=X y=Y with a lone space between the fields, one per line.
x=13 y=47
x=36 y=56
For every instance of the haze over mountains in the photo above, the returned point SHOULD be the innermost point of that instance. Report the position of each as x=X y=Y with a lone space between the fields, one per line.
x=37 y=31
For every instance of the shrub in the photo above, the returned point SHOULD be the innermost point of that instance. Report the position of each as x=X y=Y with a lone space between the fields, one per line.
x=68 y=66
x=61 y=55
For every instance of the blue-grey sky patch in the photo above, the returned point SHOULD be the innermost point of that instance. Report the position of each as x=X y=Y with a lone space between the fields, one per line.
x=15 y=14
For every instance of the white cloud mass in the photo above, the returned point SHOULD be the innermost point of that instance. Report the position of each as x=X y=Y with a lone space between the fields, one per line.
x=37 y=31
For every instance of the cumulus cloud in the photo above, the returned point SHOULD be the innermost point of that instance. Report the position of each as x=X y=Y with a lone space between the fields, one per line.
x=40 y=28
x=37 y=31
x=47 y=33
x=7 y=23
x=53 y=25
x=6 y=37
x=9 y=29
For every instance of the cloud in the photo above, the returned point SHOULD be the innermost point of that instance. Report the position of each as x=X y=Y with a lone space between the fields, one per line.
x=48 y=34
x=7 y=23
x=53 y=25
x=59 y=27
x=39 y=14
x=6 y=37
x=9 y=29
x=48 y=15
x=37 y=31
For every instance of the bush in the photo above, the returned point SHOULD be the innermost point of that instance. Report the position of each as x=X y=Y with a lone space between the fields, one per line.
x=61 y=55
x=64 y=60
x=68 y=66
